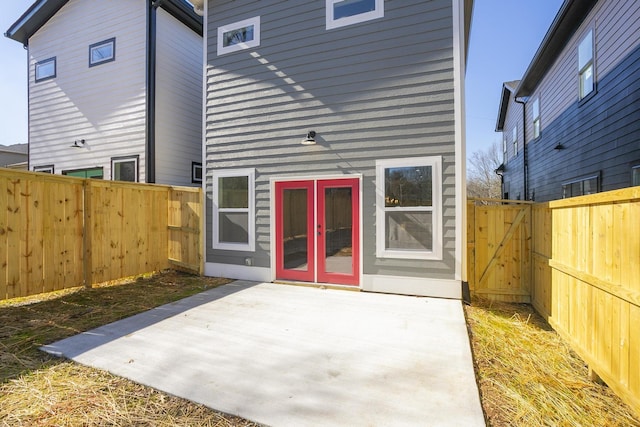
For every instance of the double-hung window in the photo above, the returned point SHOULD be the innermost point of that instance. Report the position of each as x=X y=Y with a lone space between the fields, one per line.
x=515 y=141
x=45 y=69
x=234 y=209
x=536 y=118
x=347 y=12
x=585 y=65
x=408 y=208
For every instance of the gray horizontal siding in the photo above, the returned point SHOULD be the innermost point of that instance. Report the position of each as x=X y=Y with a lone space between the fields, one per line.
x=375 y=90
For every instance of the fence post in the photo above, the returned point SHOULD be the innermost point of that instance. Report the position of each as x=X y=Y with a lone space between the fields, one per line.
x=87 y=234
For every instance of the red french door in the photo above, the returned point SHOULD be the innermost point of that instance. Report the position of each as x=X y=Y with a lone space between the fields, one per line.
x=317 y=231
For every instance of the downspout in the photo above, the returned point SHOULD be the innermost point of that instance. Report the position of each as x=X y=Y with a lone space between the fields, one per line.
x=150 y=154
x=525 y=156
x=26 y=47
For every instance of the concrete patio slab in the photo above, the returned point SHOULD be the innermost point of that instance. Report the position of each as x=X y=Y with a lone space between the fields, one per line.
x=297 y=356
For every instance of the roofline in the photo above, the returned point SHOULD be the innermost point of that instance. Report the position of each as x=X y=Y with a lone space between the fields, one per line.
x=41 y=11
x=571 y=14
x=504 y=105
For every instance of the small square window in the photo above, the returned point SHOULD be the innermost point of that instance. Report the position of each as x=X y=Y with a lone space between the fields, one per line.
x=239 y=36
x=196 y=172
x=46 y=69
x=124 y=169
x=104 y=51
x=347 y=12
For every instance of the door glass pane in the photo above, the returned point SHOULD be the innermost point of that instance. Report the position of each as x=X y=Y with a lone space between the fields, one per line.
x=409 y=231
x=338 y=230
x=294 y=229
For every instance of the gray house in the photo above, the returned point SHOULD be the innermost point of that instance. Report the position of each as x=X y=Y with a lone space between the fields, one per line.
x=115 y=89
x=335 y=143
x=571 y=125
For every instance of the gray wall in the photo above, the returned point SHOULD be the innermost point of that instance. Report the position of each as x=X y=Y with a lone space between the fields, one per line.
x=375 y=90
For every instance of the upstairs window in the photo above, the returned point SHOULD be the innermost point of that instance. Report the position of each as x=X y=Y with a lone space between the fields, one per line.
x=536 y=118
x=239 y=35
x=515 y=141
x=347 y=12
x=101 y=52
x=585 y=65
x=46 y=69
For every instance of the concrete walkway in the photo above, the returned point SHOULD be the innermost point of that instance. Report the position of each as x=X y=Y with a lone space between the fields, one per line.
x=296 y=356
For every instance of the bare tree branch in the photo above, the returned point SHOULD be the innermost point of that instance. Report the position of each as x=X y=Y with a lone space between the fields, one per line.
x=482 y=180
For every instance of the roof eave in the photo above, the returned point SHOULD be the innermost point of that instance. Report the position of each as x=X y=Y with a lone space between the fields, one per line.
x=502 y=110
x=571 y=14
x=42 y=10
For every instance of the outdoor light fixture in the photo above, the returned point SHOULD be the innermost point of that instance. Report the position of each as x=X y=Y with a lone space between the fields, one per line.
x=500 y=170
x=559 y=147
x=310 y=139
x=78 y=143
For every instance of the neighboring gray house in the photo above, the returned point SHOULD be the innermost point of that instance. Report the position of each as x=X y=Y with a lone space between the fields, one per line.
x=115 y=89
x=14 y=156
x=575 y=114
x=335 y=143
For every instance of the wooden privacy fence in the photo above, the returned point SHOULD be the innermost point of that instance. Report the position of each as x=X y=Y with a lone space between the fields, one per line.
x=583 y=274
x=61 y=232
x=590 y=292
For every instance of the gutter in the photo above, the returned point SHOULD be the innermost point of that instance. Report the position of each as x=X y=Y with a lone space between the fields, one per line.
x=150 y=131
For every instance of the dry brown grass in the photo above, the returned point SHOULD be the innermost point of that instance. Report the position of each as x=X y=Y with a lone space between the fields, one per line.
x=38 y=389
x=528 y=376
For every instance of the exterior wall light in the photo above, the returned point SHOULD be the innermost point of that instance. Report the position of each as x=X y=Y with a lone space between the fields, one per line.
x=78 y=143
x=310 y=139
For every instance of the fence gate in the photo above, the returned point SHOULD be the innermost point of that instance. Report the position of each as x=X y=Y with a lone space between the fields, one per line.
x=499 y=249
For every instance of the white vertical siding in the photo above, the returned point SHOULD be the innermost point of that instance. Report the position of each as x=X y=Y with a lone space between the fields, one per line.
x=105 y=104
x=178 y=100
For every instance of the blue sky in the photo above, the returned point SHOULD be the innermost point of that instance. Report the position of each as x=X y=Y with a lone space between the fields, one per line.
x=505 y=35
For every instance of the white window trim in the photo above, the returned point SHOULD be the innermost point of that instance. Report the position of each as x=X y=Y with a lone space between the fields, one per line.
x=333 y=23
x=228 y=173
x=255 y=21
x=44 y=169
x=194 y=167
x=116 y=160
x=436 y=164
x=515 y=140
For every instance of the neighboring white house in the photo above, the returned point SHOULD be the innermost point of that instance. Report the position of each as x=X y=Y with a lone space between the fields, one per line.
x=115 y=89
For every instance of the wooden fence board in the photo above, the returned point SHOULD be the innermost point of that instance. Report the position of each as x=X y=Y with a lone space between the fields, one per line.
x=59 y=232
